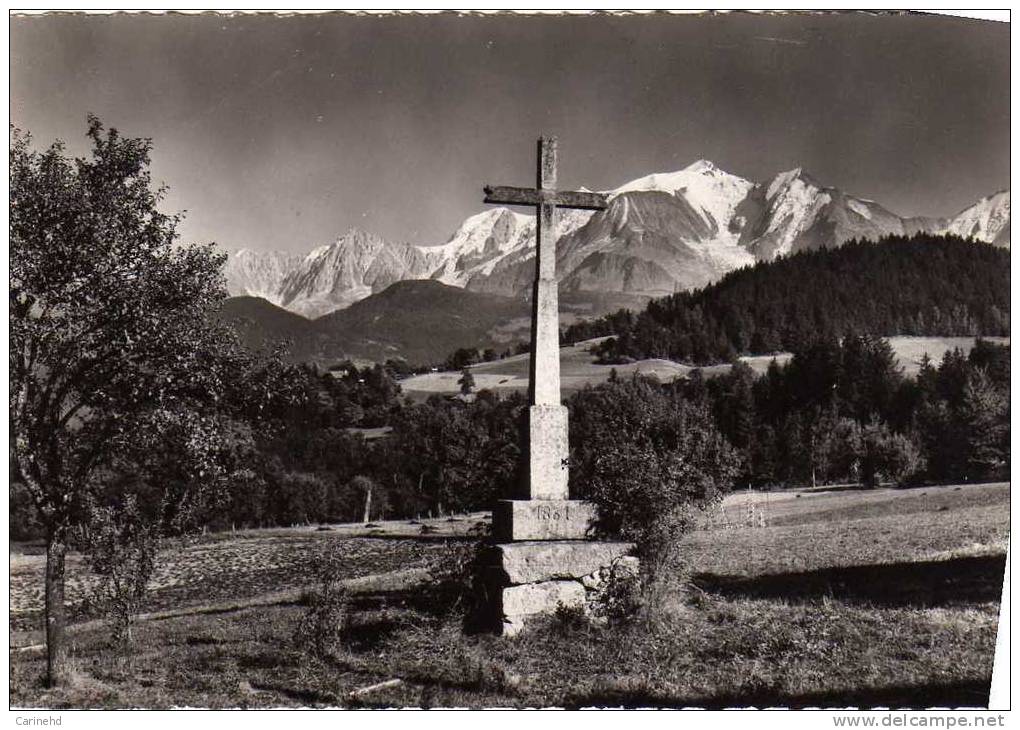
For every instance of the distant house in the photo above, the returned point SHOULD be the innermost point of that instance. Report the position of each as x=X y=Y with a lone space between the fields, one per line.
x=343 y=370
x=372 y=434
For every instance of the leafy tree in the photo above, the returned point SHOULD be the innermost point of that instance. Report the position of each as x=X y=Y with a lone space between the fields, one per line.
x=301 y=497
x=112 y=352
x=649 y=460
x=398 y=368
x=887 y=456
x=452 y=455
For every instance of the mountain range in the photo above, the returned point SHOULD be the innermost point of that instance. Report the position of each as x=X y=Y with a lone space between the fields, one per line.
x=661 y=233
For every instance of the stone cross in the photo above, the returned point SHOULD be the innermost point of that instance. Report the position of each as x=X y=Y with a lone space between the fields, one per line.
x=547 y=473
x=544 y=556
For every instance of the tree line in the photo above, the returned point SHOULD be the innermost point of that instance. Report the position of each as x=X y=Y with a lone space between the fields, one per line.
x=918 y=285
x=840 y=410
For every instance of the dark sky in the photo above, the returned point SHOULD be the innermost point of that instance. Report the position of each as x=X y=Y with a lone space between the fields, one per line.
x=283 y=132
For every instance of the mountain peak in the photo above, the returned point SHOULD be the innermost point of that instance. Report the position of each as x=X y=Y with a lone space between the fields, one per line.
x=697 y=174
x=703 y=166
x=987 y=220
x=997 y=196
x=714 y=194
x=358 y=234
x=318 y=251
x=785 y=179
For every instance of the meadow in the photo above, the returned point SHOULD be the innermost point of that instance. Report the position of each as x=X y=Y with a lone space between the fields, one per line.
x=812 y=598
x=579 y=369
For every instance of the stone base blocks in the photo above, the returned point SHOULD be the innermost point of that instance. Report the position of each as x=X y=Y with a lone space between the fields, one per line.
x=542 y=519
x=527 y=579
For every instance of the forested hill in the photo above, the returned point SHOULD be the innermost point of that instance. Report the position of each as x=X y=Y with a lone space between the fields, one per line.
x=921 y=285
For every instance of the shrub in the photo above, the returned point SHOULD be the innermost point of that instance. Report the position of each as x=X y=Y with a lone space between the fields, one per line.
x=568 y=619
x=119 y=545
x=466 y=382
x=620 y=595
x=323 y=625
x=472 y=667
x=453 y=587
x=650 y=461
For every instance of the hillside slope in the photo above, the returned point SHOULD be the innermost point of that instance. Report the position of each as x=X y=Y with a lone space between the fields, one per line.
x=424 y=321
x=922 y=285
x=263 y=325
x=421 y=321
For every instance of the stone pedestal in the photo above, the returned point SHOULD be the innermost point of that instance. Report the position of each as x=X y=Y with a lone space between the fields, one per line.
x=542 y=519
x=543 y=558
x=527 y=579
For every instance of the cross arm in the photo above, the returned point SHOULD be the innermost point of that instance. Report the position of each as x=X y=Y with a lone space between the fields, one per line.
x=583 y=201
x=504 y=195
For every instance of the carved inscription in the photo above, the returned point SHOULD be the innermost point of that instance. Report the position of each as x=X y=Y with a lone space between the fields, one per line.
x=552 y=514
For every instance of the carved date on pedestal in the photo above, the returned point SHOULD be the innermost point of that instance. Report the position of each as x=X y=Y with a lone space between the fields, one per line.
x=553 y=513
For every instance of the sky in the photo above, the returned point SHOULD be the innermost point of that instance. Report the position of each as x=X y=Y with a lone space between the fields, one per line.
x=284 y=132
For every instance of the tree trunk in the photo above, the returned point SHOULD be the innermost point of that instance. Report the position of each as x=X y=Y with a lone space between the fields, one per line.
x=56 y=614
x=368 y=506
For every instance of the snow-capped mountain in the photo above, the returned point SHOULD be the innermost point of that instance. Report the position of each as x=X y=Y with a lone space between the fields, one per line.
x=715 y=194
x=672 y=231
x=328 y=278
x=356 y=265
x=478 y=244
x=675 y=209
x=987 y=220
x=258 y=273
x=793 y=212
x=485 y=240
x=661 y=233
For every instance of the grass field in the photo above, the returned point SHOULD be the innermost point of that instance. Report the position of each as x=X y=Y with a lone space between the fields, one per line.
x=843 y=598
x=578 y=367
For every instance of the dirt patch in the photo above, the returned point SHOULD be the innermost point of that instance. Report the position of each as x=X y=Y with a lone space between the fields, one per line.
x=204 y=570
